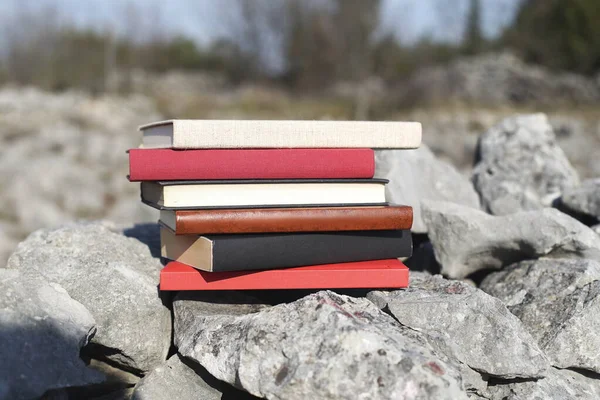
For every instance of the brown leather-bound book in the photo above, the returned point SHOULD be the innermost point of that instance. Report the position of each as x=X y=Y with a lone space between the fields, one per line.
x=266 y=220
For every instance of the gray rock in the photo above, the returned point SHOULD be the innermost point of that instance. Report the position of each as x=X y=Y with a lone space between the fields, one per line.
x=115 y=278
x=478 y=396
x=116 y=379
x=579 y=139
x=467 y=240
x=468 y=325
x=559 y=303
x=596 y=228
x=124 y=394
x=452 y=133
x=42 y=330
x=473 y=382
x=76 y=142
x=118 y=384
x=520 y=167
x=324 y=346
x=415 y=175
x=177 y=380
x=585 y=199
x=417 y=276
x=558 y=385
x=496 y=79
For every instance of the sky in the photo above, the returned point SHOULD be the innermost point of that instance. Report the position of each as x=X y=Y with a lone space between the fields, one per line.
x=202 y=19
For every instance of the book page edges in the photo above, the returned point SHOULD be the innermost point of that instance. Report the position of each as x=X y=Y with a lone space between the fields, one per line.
x=195 y=251
x=271 y=194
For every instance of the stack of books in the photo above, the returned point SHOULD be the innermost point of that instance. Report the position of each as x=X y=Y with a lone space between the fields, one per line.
x=274 y=204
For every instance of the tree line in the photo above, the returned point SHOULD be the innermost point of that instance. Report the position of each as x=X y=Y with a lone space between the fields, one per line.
x=302 y=44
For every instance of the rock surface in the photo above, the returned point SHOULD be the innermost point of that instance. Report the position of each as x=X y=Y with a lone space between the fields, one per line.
x=42 y=330
x=176 y=380
x=497 y=79
x=452 y=133
x=519 y=166
x=322 y=346
x=559 y=303
x=467 y=240
x=115 y=278
x=585 y=199
x=63 y=155
x=415 y=175
x=468 y=325
x=558 y=385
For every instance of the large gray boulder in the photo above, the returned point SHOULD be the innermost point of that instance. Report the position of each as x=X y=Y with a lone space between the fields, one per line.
x=467 y=325
x=42 y=330
x=558 y=301
x=324 y=346
x=520 y=167
x=415 y=175
x=560 y=384
x=178 y=379
x=467 y=240
x=583 y=200
x=115 y=278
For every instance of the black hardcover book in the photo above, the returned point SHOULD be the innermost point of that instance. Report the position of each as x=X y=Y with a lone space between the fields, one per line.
x=218 y=253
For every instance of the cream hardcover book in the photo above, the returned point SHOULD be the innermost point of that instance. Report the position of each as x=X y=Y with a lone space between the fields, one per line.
x=232 y=134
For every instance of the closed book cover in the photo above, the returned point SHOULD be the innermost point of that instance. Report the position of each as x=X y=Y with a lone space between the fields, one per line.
x=168 y=164
x=233 y=134
x=267 y=220
x=219 y=253
x=379 y=274
x=252 y=193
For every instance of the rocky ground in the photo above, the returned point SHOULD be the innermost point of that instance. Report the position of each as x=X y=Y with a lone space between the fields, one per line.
x=504 y=300
x=505 y=272
x=500 y=79
x=62 y=158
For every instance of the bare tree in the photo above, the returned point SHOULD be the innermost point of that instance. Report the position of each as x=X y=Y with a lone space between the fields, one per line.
x=473 y=37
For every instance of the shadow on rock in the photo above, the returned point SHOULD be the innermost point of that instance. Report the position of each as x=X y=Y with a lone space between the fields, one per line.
x=148 y=233
x=42 y=361
x=229 y=392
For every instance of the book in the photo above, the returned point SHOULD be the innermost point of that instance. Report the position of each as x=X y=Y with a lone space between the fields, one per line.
x=266 y=220
x=232 y=134
x=218 y=253
x=381 y=274
x=243 y=193
x=168 y=164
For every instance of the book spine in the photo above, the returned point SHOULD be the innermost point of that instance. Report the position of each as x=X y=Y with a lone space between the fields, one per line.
x=325 y=219
x=267 y=251
x=168 y=164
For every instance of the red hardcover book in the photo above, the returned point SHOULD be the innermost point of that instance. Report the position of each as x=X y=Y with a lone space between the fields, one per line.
x=380 y=274
x=169 y=164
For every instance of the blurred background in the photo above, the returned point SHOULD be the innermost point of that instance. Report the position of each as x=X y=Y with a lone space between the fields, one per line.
x=78 y=76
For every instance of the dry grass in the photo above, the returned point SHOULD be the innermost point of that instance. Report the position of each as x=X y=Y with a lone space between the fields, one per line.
x=253 y=103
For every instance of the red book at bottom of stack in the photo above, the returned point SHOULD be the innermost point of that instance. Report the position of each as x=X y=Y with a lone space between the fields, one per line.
x=380 y=274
